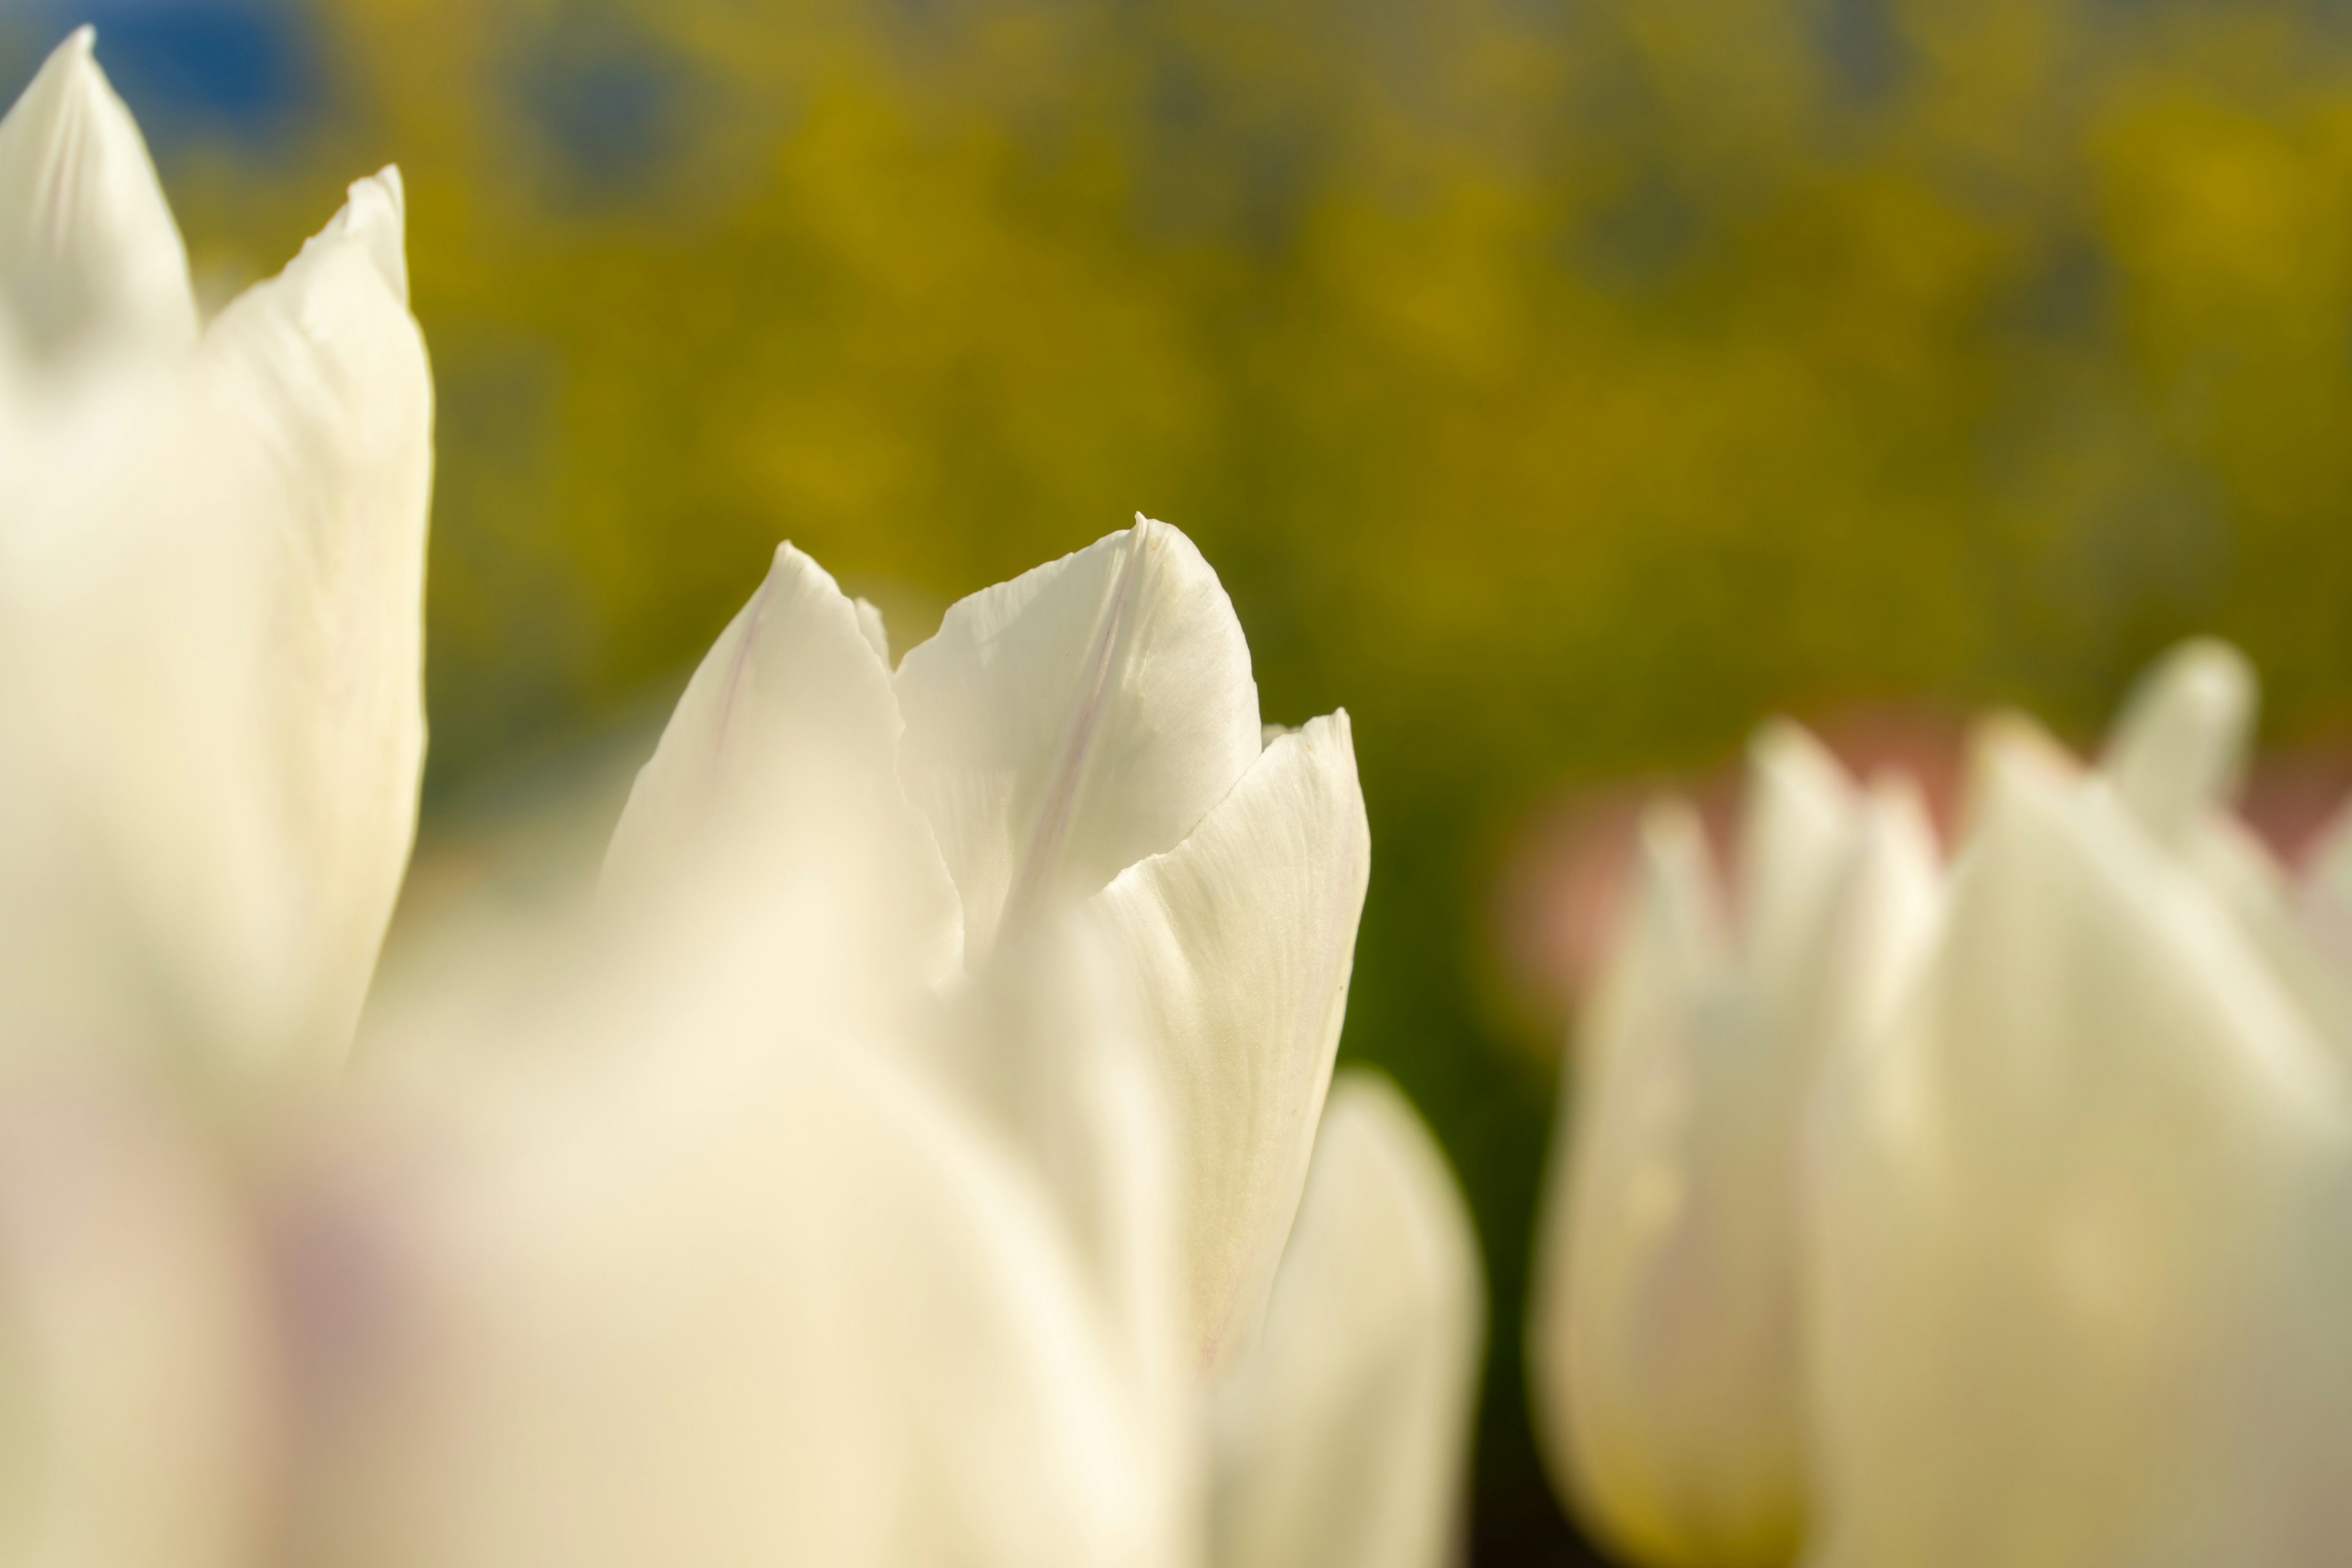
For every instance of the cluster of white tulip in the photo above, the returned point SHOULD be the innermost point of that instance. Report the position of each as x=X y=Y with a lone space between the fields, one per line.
x=1995 y=1216
x=924 y=1150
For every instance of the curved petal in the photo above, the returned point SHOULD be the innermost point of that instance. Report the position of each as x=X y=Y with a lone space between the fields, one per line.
x=1343 y=1438
x=1664 y=1336
x=1240 y=943
x=89 y=254
x=1654 y=1331
x=1065 y=725
x=312 y=456
x=785 y=746
x=2179 y=748
x=2083 y=1225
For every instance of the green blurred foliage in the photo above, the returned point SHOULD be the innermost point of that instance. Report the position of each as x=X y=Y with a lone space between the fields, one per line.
x=1559 y=386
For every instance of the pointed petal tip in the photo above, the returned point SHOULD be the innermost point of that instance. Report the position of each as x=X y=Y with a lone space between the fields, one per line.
x=82 y=40
x=375 y=217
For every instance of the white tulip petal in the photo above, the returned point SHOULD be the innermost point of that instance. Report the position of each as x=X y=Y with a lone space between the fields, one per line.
x=1240 y=943
x=731 y=1287
x=1880 y=923
x=1659 y=1332
x=1799 y=808
x=137 y=1379
x=783 y=749
x=1343 y=1438
x=2083 y=1225
x=2179 y=749
x=311 y=456
x=1068 y=724
x=1664 y=1334
x=1044 y=1044
x=89 y=253
x=877 y=635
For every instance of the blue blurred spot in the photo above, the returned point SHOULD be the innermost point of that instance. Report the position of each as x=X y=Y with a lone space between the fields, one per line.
x=1867 y=55
x=608 y=98
x=192 y=69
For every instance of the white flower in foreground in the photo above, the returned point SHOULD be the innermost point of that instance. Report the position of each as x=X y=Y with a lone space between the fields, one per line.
x=692 y=1262
x=139 y=1388
x=1343 y=1436
x=2085 y=1216
x=211 y=578
x=1086 y=736
x=867 y=1192
x=211 y=566
x=1664 y=1337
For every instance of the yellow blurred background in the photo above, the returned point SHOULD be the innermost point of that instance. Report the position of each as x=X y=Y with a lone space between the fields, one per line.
x=1559 y=384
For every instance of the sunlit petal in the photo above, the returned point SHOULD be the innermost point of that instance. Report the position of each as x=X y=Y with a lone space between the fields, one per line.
x=1343 y=1436
x=1240 y=943
x=1065 y=725
x=89 y=253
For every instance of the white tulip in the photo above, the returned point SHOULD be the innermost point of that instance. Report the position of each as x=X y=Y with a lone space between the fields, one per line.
x=1086 y=736
x=2084 y=1215
x=211 y=579
x=1090 y=730
x=211 y=571
x=888 y=1215
x=1343 y=1436
x=1664 y=1337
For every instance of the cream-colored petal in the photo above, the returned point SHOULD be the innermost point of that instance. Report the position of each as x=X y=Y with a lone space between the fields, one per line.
x=1665 y=1335
x=783 y=750
x=1065 y=725
x=2179 y=748
x=312 y=449
x=706 y=1273
x=1798 y=813
x=2083 y=1225
x=1343 y=1438
x=1658 y=1331
x=139 y=1393
x=89 y=255
x=877 y=635
x=1239 y=942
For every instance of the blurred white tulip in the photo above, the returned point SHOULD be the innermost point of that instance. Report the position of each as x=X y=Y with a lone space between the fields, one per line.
x=686 y=1258
x=211 y=579
x=1343 y=1436
x=211 y=728
x=139 y=1387
x=1665 y=1333
x=2083 y=1216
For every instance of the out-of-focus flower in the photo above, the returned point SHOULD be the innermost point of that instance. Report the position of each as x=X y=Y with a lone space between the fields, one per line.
x=687 y=1257
x=211 y=578
x=1343 y=1434
x=1665 y=1338
x=2084 y=1215
x=140 y=1388
x=210 y=569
